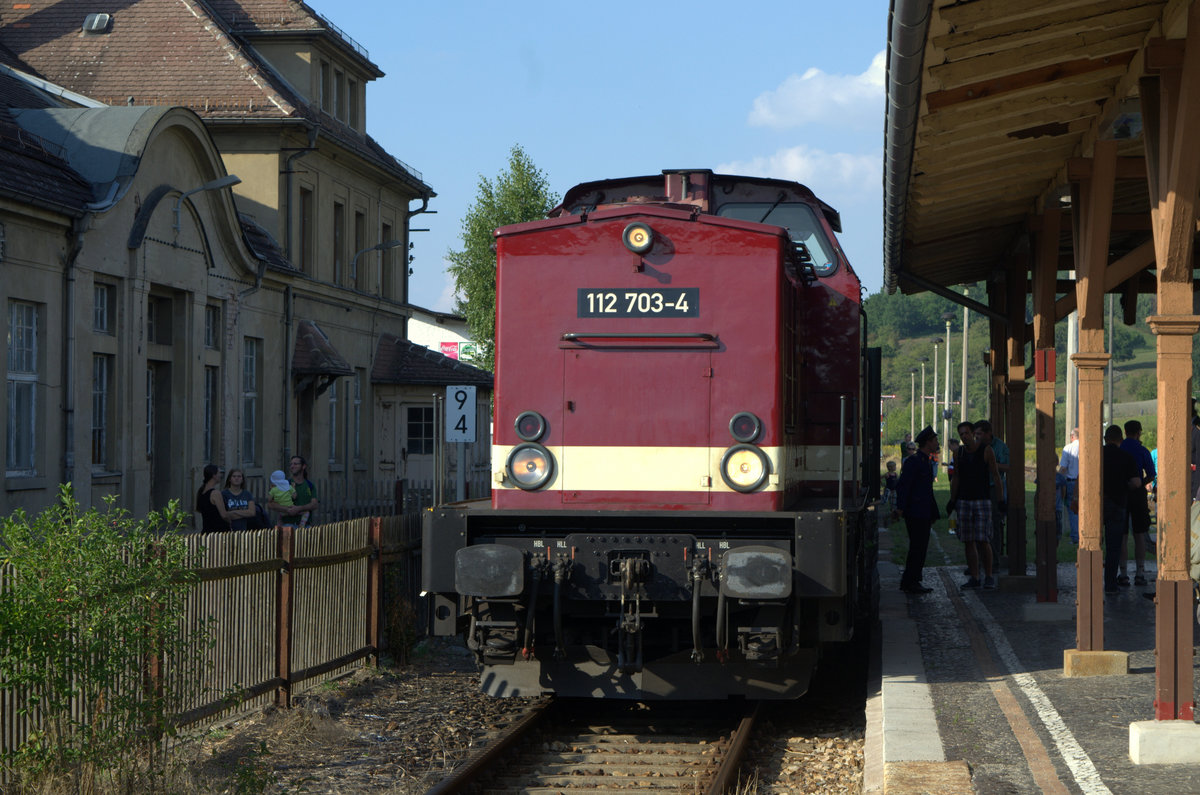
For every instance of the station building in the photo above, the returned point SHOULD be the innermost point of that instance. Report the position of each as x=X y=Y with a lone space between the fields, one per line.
x=203 y=255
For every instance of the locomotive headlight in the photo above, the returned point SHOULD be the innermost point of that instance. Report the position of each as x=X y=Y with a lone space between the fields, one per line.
x=744 y=467
x=530 y=466
x=745 y=427
x=638 y=237
x=530 y=426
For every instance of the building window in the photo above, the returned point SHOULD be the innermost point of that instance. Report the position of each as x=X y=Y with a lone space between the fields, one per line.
x=158 y=319
x=212 y=400
x=251 y=376
x=356 y=417
x=387 y=274
x=352 y=96
x=102 y=367
x=102 y=297
x=360 y=242
x=306 y=231
x=22 y=388
x=420 y=430
x=339 y=95
x=212 y=330
x=324 y=87
x=339 y=241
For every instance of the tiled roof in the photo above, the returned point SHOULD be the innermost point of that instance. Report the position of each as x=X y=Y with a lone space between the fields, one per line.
x=10 y=59
x=34 y=170
x=181 y=52
x=266 y=14
x=254 y=18
x=399 y=361
x=263 y=245
x=315 y=354
x=159 y=52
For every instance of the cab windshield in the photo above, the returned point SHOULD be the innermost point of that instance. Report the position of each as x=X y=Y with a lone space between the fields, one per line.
x=798 y=218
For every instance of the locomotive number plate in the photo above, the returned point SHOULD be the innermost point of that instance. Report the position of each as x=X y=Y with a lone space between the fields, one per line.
x=639 y=302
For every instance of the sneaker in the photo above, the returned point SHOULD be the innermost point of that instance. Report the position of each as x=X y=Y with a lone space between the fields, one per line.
x=989 y=583
x=1123 y=580
x=1139 y=579
x=970 y=584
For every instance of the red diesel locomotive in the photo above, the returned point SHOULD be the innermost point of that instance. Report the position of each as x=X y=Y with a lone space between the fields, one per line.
x=685 y=449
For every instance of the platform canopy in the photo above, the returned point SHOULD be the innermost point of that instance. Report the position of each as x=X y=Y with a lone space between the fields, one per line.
x=988 y=102
x=1052 y=148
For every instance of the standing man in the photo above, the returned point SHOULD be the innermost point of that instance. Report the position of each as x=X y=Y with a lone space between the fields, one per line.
x=914 y=501
x=1068 y=465
x=306 y=494
x=1139 y=508
x=1120 y=475
x=983 y=430
x=972 y=492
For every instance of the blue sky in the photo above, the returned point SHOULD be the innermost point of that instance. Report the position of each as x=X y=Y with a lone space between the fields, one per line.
x=793 y=90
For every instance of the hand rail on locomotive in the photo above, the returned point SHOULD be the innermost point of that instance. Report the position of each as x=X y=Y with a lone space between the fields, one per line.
x=640 y=339
x=624 y=335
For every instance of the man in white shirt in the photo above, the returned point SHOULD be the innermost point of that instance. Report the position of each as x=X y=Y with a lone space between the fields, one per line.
x=1068 y=465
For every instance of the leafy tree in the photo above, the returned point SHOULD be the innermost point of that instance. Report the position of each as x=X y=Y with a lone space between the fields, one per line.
x=520 y=193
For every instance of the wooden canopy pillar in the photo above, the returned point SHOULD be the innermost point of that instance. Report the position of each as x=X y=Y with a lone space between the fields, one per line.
x=1045 y=274
x=997 y=343
x=1015 y=386
x=1171 y=113
x=1093 y=197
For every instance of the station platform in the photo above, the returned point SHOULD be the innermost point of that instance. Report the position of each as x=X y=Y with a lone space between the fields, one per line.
x=970 y=695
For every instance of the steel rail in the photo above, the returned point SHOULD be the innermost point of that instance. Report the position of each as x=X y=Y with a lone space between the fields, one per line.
x=461 y=777
x=731 y=762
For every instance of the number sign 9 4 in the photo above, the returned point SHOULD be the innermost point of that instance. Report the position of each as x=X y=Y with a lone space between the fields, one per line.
x=639 y=302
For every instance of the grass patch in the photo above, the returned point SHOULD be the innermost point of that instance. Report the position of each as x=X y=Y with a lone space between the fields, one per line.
x=954 y=549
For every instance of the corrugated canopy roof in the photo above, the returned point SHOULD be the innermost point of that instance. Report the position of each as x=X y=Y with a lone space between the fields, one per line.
x=315 y=354
x=988 y=101
x=398 y=361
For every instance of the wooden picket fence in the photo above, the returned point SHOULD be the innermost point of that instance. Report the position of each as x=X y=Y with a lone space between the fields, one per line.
x=288 y=608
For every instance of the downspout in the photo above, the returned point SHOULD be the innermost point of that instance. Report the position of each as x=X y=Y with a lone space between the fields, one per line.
x=408 y=216
x=287 y=292
x=287 y=366
x=287 y=174
x=78 y=227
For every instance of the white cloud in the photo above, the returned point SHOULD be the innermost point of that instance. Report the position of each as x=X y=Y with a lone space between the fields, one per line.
x=819 y=97
x=445 y=301
x=827 y=174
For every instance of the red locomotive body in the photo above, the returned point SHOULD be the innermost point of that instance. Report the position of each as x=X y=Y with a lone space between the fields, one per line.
x=679 y=382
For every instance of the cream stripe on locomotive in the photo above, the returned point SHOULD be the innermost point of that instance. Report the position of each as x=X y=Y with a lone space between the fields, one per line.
x=668 y=468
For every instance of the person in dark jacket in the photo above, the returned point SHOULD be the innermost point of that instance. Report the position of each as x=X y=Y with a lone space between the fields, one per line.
x=1121 y=474
x=915 y=502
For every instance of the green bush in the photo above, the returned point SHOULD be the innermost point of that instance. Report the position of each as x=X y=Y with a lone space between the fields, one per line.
x=94 y=644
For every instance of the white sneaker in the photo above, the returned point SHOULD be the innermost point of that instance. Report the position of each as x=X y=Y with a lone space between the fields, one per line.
x=989 y=583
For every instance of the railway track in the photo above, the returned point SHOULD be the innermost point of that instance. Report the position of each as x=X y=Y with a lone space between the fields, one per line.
x=628 y=748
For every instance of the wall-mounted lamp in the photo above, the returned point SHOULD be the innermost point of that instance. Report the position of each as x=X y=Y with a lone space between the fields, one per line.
x=384 y=246
x=216 y=184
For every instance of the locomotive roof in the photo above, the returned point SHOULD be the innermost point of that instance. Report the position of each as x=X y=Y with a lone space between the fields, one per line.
x=704 y=184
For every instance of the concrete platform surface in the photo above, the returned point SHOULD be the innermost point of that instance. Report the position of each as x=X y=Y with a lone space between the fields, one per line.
x=971 y=692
